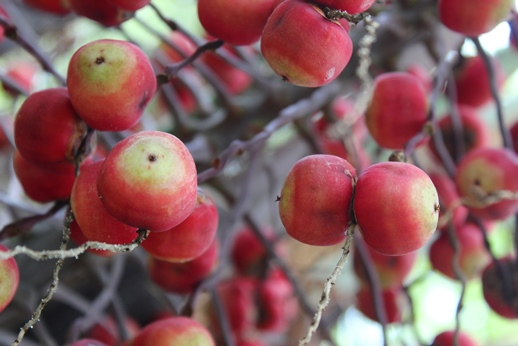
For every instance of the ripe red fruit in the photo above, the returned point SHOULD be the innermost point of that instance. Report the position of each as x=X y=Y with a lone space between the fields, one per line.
x=234 y=79
x=392 y=303
x=238 y=22
x=106 y=13
x=130 y=5
x=472 y=81
x=316 y=199
x=276 y=302
x=501 y=300
x=351 y=6
x=178 y=331
x=297 y=26
x=91 y=216
x=190 y=238
x=110 y=82
x=474 y=131
x=391 y=270
x=22 y=73
x=44 y=182
x=47 y=128
x=9 y=279
x=473 y=256
x=447 y=338
x=473 y=17
x=107 y=331
x=481 y=174
x=396 y=207
x=452 y=211
x=398 y=109
x=248 y=254
x=182 y=278
x=149 y=181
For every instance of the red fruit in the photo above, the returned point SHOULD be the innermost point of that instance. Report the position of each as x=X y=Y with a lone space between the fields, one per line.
x=276 y=301
x=452 y=211
x=59 y=7
x=447 y=338
x=79 y=238
x=149 y=181
x=182 y=278
x=178 y=331
x=473 y=256
x=351 y=6
x=91 y=216
x=297 y=26
x=475 y=132
x=391 y=270
x=22 y=74
x=472 y=81
x=502 y=300
x=44 y=182
x=234 y=79
x=110 y=83
x=130 y=5
x=190 y=238
x=473 y=17
x=396 y=207
x=316 y=199
x=423 y=75
x=484 y=173
x=47 y=128
x=107 y=331
x=398 y=109
x=6 y=16
x=238 y=298
x=392 y=303
x=248 y=253
x=9 y=279
x=237 y=22
x=106 y=13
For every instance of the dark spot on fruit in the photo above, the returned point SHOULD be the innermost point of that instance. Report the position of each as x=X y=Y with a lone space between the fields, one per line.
x=99 y=60
x=285 y=79
x=152 y=158
x=437 y=207
x=476 y=182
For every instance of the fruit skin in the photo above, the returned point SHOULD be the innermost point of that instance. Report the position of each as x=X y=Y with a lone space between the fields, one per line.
x=22 y=73
x=130 y=5
x=91 y=216
x=475 y=132
x=398 y=109
x=77 y=236
x=44 y=182
x=351 y=6
x=238 y=298
x=9 y=279
x=494 y=290
x=110 y=82
x=391 y=270
x=447 y=338
x=237 y=22
x=182 y=278
x=107 y=332
x=473 y=17
x=396 y=207
x=107 y=14
x=47 y=128
x=189 y=239
x=149 y=181
x=473 y=256
x=472 y=81
x=392 y=302
x=483 y=172
x=316 y=199
x=296 y=26
x=178 y=331
x=452 y=211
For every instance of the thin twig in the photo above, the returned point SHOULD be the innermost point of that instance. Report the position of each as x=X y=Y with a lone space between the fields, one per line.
x=325 y=298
